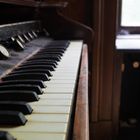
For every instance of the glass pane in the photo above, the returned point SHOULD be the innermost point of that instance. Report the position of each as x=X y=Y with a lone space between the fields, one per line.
x=130 y=15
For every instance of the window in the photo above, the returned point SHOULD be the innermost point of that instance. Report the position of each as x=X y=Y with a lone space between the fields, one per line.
x=129 y=25
x=129 y=16
x=130 y=13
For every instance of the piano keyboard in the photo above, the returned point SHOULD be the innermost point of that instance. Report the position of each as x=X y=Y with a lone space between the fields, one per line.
x=51 y=116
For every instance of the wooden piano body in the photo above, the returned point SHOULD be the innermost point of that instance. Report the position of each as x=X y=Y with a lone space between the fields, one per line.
x=58 y=27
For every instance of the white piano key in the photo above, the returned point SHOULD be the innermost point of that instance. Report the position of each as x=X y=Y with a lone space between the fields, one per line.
x=60 y=118
x=56 y=96
x=62 y=78
x=38 y=136
x=60 y=81
x=42 y=127
x=58 y=90
x=65 y=102
x=51 y=109
x=58 y=85
x=62 y=74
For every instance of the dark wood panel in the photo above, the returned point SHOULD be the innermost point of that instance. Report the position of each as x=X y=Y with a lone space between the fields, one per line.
x=116 y=93
x=78 y=10
x=101 y=131
x=68 y=28
x=105 y=41
x=104 y=102
x=13 y=13
x=96 y=60
x=107 y=65
x=53 y=4
x=31 y=3
x=36 y=3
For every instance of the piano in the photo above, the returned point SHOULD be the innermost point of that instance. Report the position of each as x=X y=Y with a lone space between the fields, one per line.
x=43 y=72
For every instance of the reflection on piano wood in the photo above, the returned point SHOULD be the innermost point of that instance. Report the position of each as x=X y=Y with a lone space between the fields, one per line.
x=39 y=78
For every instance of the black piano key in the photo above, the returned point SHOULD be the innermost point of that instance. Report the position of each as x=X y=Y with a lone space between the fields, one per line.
x=26 y=76
x=41 y=61
x=53 y=56
x=21 y=87
x=12 y=118
x=14 y=95
x=46 y=67
x=38 y=63
x=52 y=50
x=4 y=135
x=60 y=43
x=23 y=107
x=28 y=82
x=45 y=57
x=18 y=71
x=56 y=46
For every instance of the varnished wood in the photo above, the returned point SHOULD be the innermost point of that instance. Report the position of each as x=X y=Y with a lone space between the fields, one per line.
x=31 y=3
x=96 y=61
x=35 y=3
x=53 y=4
x=105 y=62
x=68 y=28
x=104 y=102
x=83 y=10
x=81 y=121
x=116 y=94
x=102 y=130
